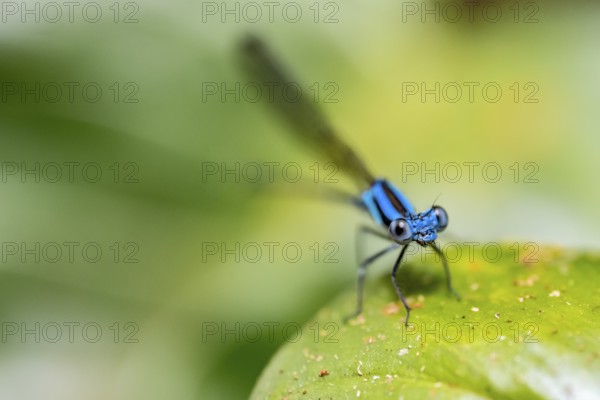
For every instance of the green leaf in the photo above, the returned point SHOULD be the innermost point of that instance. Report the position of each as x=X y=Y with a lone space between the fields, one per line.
x=527 y=328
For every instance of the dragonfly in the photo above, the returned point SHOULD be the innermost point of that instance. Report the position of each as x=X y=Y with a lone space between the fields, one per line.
x=386 y=204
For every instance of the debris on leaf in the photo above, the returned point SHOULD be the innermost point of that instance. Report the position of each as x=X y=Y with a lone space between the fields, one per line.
x=528 y=281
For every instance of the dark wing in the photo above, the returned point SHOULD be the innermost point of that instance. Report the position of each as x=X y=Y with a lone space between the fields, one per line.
x=303 y=115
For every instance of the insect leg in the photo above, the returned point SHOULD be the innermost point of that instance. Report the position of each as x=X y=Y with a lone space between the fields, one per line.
x=362 y=269
x=446 y=270
x=397 y=287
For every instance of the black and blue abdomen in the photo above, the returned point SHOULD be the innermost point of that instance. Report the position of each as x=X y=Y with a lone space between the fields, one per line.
x=385 y=202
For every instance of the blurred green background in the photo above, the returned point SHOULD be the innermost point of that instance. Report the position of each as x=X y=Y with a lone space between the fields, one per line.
x=152 y=132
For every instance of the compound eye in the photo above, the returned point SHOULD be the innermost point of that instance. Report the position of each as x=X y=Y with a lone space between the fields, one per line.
x=442 y=218
x=400 y=231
